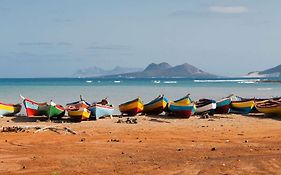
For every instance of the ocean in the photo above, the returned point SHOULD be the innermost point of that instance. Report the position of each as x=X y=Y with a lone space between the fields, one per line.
x=119 y=90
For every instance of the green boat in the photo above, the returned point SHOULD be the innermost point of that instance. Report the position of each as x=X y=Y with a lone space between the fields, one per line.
x=53 y=110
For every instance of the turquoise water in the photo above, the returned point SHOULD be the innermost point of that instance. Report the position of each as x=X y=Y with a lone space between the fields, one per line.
x=119 y=90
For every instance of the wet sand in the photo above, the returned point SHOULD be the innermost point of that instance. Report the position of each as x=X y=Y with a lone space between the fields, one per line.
x=225 y=144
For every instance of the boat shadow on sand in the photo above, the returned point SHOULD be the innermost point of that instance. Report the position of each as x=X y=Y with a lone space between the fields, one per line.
x=22 y=119
x=264 y=116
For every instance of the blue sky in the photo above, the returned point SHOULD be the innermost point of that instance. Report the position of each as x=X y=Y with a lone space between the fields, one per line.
x=40 y=38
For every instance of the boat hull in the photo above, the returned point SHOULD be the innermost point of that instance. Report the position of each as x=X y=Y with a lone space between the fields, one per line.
x=242 y=107
x=53 y=111
x=9 y=109
x=223 y=106
x=34 y=109
x=184 y=101
x=131 y=108
x=205 y=105
x=269 y=107
x=156 y=106
x=99 y=110
x=78 y=110
x=81 y=114
x=182 y=110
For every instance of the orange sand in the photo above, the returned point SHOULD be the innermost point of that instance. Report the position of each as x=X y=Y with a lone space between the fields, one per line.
x=241 y=145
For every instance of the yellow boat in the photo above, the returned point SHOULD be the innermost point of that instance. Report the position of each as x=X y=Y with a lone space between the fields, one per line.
x=82 y=114
x=78 y=110
x=242 y=106
x=132 y=107
x=9 y=109
x=182 y=101
x=269 y=107
x=156 y=106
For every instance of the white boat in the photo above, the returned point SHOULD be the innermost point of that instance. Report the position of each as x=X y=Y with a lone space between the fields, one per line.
x=205 y=105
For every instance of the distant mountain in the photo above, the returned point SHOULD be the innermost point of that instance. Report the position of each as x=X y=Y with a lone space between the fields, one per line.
x=98 y=72
x=273 y=72
x=166 y=70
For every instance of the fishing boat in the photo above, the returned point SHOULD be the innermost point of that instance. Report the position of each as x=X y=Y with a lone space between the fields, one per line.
x=269 y=107
x=9 y=109
x=222 y=106
x=156 y=106
x=101 y=109
x=186 y=100
x=240 y=105
x=132 y=107
x=78 y=110
x=256 y=100
x=51 y=110
x=182 y=110
x=205 y=106
x=34 y=108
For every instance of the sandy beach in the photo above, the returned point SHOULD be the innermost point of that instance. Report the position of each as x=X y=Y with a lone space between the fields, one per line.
x=224 y=144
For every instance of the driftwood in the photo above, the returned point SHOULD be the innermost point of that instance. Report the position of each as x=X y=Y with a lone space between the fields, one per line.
x=37 y=129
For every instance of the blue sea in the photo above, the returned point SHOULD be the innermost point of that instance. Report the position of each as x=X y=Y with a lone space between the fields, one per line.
x=119 y=90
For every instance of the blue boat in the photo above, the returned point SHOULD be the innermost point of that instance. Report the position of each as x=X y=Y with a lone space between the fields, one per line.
x=223 y=106
x=182 y=110
x=101 y=109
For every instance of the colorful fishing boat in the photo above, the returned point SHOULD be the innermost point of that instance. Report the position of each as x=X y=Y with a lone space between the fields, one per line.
x=131 y=107
x=269 y=107
x=205 y=106
x=256 y=100
x=78 y=110
x=34 y=108
x=222 y=106
x=184 y=101
x=53 y=110
x=241 y=106
x=101 y=109
x=9 y=109
x=182 y=110
x=156 y=106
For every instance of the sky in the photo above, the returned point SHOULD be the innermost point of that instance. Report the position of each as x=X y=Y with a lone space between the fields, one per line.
x=54 y=38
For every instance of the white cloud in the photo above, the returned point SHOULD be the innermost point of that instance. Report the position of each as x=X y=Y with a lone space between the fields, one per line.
x=229 y=9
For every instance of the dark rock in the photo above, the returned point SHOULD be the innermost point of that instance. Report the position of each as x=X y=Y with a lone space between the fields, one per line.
x=214 y=149
x=115 y=140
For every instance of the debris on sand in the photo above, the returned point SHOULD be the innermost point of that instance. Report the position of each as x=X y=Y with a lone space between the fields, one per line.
x=131 y=121
x=128 y=121
x=114 y=140
x=37 y=129
x=204 y=115
x=157 y=120
x=214 y=149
